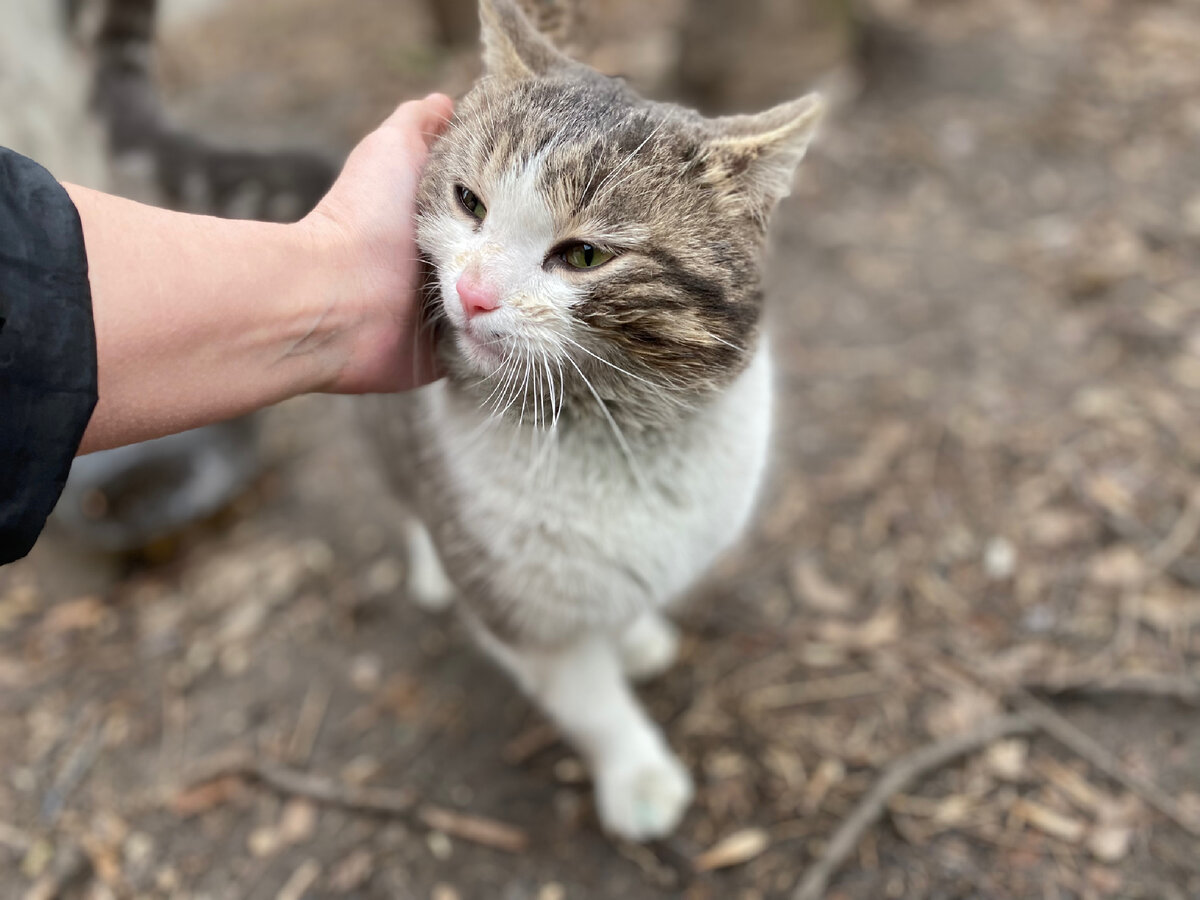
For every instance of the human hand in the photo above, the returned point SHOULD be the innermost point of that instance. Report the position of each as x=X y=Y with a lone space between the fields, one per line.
x=365 y=225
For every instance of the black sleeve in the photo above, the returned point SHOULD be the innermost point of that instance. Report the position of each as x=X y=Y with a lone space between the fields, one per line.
x=47 y=348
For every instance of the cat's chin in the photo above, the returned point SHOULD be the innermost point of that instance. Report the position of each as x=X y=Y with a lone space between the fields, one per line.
x=481 y=355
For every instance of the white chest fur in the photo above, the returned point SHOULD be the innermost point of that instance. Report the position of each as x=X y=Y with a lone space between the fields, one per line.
x=573 y=539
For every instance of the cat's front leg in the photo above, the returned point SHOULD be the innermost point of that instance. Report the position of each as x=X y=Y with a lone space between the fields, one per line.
x=642 y=789
x=649 y=646
x=428 y=584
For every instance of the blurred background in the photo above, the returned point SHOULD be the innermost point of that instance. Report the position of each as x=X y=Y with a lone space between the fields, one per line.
x=985 y=305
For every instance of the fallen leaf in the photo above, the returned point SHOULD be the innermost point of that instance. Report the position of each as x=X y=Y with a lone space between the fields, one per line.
x=739 y=847
x=352 y=872
x=203 y=797
x=1118 y=567
x=83 y=614
x=817 y=591
x=302 y=879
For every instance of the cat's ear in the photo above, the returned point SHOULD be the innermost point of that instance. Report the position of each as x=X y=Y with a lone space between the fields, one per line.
x=757 y=155
x=513 y=49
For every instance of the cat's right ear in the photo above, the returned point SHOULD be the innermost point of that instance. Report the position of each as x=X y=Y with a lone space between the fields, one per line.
x=513 y=50
x=755 y=157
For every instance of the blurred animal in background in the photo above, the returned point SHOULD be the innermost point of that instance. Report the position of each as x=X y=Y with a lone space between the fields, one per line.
x=604 y=425
x=78 y=94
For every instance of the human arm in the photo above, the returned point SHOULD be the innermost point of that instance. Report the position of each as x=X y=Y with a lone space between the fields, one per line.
x=200 y=319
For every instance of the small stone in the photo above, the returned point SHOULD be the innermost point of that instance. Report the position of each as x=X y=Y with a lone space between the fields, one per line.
x=439 y=845
x=366 y=671
x=318 y=556
x=263 y=842
x=297 y=822
x=570 y=770
x=384 y=577
x=1110 y=843
x=235 y=660
x=552 y=891
x=1007 y=759
x=138 y=849
x=999 y=559
x=167 y=880
x=360 y=770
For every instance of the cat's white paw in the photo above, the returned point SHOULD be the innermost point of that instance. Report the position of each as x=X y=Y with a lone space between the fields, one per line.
x=428 y=585
x=648 y=647
x=645 y=799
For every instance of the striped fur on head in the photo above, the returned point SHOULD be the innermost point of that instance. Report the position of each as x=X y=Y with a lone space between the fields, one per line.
x=559 y=153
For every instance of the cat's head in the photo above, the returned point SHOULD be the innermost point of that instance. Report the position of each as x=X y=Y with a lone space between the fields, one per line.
x=578 y=231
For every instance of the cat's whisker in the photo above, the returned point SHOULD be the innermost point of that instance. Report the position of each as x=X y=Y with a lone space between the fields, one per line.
x=562 y=390
x=524 y=385
x=616 y=430
x=663 y=390
x=553 y=399
x=509 y=396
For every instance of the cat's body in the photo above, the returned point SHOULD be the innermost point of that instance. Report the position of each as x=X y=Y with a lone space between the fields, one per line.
x=547 y=535
x=604 y=425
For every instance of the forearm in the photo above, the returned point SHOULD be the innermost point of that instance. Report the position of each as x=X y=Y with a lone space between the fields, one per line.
x=201 y=319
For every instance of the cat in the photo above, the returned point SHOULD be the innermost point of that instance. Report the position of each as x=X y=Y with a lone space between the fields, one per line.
x=603 y=426
x=77 y=94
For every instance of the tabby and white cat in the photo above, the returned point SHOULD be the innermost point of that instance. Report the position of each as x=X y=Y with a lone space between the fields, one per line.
x=604 y=425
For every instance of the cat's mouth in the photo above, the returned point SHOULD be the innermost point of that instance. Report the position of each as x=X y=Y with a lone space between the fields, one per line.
x=487 y=351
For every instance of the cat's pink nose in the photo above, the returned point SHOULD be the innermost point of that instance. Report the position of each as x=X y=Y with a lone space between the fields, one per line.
x=476 y=296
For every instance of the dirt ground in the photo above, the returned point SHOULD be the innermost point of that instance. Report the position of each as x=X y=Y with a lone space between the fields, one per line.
x=986 y=496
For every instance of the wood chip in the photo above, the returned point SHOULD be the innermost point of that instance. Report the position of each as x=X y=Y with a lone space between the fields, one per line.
x=201 y=798
x=302 y=879
x=879 y=630
x=480 y=830
x=352 y=872
x=1048 y=821
x=816 y=690
x=739 y=847
x=818 y=592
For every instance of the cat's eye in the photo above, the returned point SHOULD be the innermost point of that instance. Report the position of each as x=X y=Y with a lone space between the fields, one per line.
x=471 y=203
x=584 y=256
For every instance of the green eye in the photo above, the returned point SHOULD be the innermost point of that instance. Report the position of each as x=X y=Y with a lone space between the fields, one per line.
x=471 y=203
x=585 y=256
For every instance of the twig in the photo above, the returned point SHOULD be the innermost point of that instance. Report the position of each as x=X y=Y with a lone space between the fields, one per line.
x=897 y=777
x=308 y=723
x=376 y=801
x=70 y=868
x=1086 y=747
x=1184 y=688
x=1185 y=530
x=1082 y=744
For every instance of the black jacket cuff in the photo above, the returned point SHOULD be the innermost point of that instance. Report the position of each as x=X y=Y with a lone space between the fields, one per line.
x=47 y=348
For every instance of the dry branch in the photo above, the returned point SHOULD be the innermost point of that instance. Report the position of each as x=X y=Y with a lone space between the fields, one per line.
x=376 y=801
x=897 y=777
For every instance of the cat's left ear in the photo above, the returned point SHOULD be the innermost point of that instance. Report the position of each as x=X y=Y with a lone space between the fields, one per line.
x=513 y=49
x=757 y=155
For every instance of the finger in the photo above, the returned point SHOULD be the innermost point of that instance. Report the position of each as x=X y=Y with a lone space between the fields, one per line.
x=427 y=118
